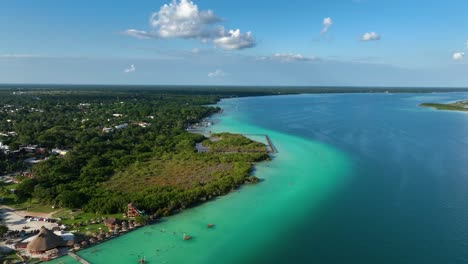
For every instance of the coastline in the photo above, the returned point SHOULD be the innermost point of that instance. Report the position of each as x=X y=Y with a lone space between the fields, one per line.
x=248 y=212
x=453 y=107
x=199 y=129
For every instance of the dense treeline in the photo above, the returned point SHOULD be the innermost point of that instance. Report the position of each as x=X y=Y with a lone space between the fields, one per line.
x=227 y=91
x=226 y=142
x=154 y=134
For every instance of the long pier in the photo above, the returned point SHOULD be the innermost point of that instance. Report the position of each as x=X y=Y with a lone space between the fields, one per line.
x=272 y=148
x=78 y=258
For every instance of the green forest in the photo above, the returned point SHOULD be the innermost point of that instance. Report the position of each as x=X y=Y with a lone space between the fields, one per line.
x=121 y=146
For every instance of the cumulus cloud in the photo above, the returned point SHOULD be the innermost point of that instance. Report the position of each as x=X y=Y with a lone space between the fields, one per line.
x=327 y=22
x=130 y=69
x=235 y=40
x=183 y=19
x=370 y=36
x=217 y=73
x=457 y=56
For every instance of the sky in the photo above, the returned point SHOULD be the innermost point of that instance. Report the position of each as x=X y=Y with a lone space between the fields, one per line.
x=214 y=42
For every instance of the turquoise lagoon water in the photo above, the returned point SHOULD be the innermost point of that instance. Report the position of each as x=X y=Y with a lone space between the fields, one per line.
x=358 y=178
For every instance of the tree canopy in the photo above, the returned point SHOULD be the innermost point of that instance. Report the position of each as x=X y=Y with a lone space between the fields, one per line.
x=123 y=146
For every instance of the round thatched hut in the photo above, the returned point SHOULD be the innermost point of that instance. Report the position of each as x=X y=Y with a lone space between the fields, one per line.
x=45 y=240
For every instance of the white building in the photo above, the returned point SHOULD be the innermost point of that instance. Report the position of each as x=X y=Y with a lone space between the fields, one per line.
x=107 y=129
x=4 y=148
x=60 y=152
x=122 y=126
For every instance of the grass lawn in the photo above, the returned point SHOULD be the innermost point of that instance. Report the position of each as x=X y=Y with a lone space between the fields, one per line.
x=34 y=207
x=70 y=217
x=88 y=230
x=6 y=196
x=9 y=186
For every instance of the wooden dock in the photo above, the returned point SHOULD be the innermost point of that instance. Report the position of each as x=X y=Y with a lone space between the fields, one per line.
x=270 y=146
x=78 y=258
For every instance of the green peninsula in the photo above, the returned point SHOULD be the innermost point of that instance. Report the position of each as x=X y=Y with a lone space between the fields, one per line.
x=98 y=149
x=457 y=106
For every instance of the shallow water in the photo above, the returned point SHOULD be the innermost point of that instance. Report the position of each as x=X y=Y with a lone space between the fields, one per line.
x=359 y=178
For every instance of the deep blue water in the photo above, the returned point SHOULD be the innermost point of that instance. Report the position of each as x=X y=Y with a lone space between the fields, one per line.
x=406 y=200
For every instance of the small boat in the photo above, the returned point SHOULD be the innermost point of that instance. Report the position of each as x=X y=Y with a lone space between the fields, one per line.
x=209 y=225
x=186 y=237
x=142 y=260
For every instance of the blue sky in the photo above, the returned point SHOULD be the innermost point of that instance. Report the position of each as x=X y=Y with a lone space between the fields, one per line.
x=211 y=42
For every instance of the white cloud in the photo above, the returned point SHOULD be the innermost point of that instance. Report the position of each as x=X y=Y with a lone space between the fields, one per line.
x=458 y=56
x=131 y=69
x=287 y=57
x=217 y=73
x=140 y=34
x=370 y=36
x=234 y=40
x=327 y=22
x=183 y=19
x=290 y=57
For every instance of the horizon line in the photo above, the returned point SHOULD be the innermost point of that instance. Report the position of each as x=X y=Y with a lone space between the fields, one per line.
x=2 y=85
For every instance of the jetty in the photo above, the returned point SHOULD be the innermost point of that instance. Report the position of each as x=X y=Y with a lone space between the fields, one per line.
x=78 y=258
x=270 y=147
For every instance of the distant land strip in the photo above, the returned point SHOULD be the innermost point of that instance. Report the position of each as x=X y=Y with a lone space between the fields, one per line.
x=457 y=106
x=233 y=90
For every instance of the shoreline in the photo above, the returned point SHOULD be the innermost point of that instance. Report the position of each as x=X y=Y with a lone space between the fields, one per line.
x=236 y=216
x=458 y=106
x=209 y=118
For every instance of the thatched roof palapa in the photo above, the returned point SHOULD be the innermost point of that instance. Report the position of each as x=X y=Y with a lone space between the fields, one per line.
x=45 y=240
x=111 y=221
